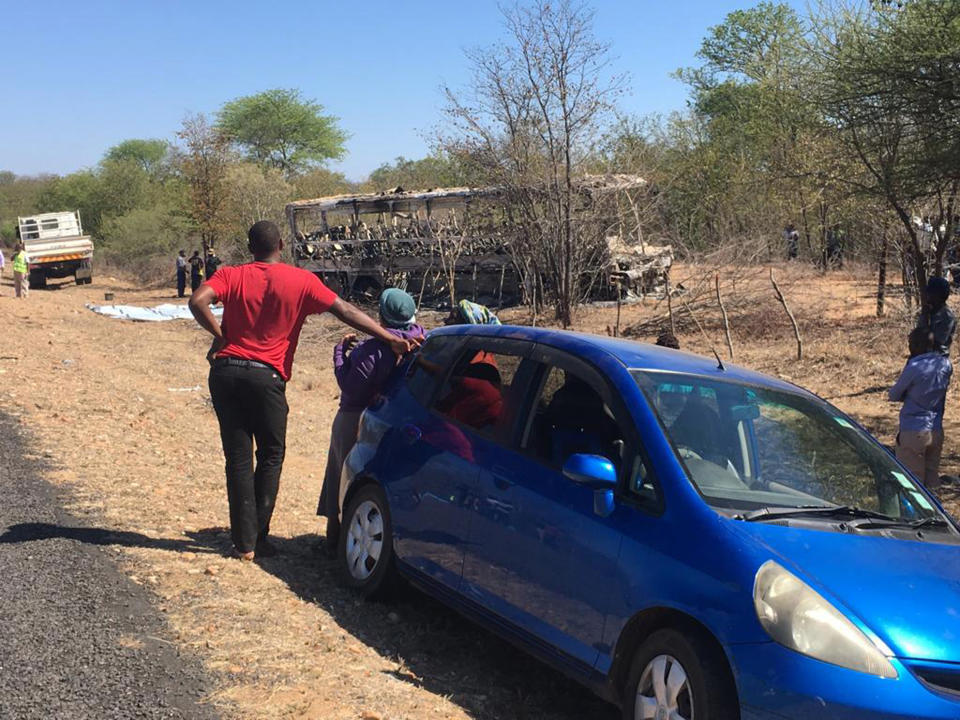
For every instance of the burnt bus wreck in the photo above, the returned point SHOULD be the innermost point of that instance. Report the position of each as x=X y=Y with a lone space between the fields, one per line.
x=426 y=242
x=419 y=241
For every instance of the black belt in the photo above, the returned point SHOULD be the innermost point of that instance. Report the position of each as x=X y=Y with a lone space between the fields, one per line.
x=240 y=362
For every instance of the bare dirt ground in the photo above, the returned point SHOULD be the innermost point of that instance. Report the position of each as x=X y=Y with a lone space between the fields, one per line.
x=121 y=411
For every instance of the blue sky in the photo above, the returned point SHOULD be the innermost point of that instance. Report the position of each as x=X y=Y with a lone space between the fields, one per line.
x=78 y=77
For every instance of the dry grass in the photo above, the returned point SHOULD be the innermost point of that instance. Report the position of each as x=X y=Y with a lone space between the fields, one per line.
x=121 y=412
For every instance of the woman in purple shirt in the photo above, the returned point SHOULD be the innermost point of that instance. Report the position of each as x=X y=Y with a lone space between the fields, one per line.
x=361 y=372
x=922 y=388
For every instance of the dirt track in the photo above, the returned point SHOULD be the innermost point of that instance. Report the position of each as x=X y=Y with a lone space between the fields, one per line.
x=121 y=413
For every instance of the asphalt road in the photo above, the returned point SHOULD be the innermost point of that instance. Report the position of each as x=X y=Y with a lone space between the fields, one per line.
x=78 y=639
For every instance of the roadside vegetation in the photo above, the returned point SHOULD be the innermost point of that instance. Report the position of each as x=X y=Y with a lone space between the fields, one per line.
x=839 y=122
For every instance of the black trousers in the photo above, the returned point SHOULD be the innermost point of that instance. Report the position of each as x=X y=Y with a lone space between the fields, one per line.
x=181 y=282
x=251 y=405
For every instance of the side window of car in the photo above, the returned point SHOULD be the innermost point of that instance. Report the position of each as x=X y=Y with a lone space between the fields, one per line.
x=480 y=392
x=429 y=366
x=571 y=417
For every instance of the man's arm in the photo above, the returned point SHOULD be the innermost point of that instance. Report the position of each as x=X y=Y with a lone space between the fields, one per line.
x=899 y=389
x=357 y=319
x=199 y=305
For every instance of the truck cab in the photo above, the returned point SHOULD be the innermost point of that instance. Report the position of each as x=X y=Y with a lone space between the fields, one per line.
x=56 y=247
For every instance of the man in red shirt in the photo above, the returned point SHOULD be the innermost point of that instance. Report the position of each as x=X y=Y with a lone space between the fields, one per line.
x=265 y=303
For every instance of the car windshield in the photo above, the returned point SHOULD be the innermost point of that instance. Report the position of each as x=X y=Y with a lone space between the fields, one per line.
x=747 y=446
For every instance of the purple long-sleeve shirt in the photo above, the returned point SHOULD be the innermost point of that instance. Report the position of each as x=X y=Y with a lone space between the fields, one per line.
x=361 y=374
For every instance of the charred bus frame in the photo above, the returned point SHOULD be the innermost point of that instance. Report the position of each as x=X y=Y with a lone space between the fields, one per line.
x=359 y=244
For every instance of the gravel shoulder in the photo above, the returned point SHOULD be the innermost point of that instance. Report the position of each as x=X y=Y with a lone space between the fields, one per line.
x=78 y=639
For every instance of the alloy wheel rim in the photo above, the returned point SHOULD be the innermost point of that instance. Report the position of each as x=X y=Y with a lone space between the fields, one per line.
x=364 y=540
x=663 y=692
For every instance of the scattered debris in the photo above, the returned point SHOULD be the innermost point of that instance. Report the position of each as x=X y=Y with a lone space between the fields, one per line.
x=639 y=269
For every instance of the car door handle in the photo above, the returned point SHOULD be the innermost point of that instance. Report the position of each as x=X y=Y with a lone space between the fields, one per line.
x=411 y=433
x=501 y=478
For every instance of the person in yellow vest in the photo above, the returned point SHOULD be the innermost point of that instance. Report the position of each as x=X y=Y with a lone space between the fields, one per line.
x=20 y=283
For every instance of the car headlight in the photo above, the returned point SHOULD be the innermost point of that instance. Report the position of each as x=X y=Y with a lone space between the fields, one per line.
x=795 y=615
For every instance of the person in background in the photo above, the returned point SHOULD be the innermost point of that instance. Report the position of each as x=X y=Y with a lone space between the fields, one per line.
x=361 y=370
x=3 y=264
x=470 y=313
x=668 y=339
x=211 y=264
x=196 y=270
x=922 y=388
x=21 y=284
x=936 y=318
x=791 y=239
x=265 y=303
x=181 y=273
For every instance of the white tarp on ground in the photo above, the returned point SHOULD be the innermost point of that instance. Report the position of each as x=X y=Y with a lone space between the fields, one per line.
x=159 y=313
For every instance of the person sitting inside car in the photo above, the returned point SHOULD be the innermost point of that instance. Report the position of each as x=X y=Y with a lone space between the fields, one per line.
x=475 y=396
x=695 y=429
x=579 y=423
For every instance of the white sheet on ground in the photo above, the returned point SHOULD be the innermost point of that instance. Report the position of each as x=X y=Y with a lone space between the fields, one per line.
x=159 y=313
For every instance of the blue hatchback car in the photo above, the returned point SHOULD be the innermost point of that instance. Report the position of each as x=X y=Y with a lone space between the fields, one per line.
x=689 y=541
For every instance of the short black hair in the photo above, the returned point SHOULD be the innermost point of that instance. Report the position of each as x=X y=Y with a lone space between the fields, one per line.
x=920 y=341
x=668 y=339
x=264 y=237
x=938 y=288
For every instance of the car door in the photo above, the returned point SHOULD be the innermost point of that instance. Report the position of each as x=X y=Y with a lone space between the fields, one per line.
x=538 y=555
x=430 y=471
x=465 y=395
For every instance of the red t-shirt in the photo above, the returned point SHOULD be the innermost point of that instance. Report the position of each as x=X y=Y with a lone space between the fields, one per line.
x=264 y=306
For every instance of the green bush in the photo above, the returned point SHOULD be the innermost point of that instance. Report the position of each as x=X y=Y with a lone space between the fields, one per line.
x=142 y=240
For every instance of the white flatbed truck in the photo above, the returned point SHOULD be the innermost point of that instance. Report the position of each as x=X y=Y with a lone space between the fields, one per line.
x=56 y=247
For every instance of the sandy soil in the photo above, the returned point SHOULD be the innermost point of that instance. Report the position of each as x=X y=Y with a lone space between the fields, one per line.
x=121 y=411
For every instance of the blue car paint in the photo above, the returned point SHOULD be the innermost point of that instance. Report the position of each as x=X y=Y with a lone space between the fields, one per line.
x=528 y=511
x=519 y=548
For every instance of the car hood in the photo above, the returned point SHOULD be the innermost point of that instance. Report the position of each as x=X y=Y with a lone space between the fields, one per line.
x=905 y=591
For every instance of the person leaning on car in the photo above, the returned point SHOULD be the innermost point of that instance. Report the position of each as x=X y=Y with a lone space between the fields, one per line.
x=361 y=371
x=922 y=388
x=265 y=303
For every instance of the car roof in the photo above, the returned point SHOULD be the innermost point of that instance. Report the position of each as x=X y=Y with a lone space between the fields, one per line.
x=631 y=354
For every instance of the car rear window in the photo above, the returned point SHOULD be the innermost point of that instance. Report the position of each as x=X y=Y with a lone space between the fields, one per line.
x=480 y=392
x=438 y=352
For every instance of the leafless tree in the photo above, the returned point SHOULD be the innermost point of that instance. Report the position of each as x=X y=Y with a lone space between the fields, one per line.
x=203 y=160
x=530 y=118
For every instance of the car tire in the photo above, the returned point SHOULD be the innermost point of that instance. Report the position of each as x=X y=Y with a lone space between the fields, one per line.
x=365 y=548
x=677 y=675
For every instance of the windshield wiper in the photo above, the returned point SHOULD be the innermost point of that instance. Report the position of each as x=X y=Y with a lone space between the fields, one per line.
x=911 y=524
x=833 y=511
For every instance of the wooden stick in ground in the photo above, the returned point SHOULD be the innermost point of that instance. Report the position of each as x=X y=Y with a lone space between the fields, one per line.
x=783 y=301
x=616 y=329
x=723 y=312
x=673 y=327
x=503 y=271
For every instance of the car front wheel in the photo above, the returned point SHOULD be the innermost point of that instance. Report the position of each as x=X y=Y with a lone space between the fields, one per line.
x=678 y=677
x=366 y=543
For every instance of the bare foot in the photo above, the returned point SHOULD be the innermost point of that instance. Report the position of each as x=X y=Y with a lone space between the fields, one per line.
x=245 y=556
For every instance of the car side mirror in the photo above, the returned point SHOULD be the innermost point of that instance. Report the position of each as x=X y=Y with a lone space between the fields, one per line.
x=598 y=474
